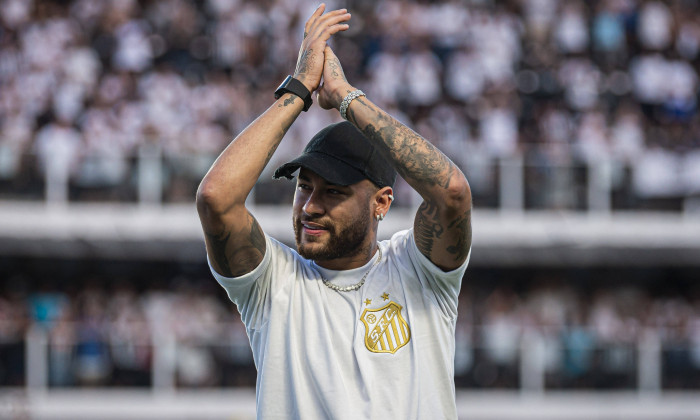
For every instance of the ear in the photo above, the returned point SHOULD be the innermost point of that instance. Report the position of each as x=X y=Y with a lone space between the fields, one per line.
x=383 y=199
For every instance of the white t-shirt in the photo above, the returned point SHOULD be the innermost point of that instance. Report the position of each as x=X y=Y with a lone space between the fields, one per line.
x=385 y=351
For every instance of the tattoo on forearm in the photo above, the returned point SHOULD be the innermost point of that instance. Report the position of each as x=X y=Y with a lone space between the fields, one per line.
x=351 y=116
x=416 y=158
x=289 y=101
x=284 y=127
x=442 y=229
x=427 y=227
x=462 y=228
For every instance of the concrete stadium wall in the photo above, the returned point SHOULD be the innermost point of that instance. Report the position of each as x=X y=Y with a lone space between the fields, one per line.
x=500 y=238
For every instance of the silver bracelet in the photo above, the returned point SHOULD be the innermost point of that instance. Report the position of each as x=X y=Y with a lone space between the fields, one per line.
x=346 y=102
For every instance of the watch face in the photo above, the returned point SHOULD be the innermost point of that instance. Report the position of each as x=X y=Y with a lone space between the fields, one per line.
x=286 y=82
x=282 y=88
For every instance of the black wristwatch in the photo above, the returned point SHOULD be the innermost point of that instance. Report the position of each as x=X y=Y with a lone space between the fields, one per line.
x=294 y=86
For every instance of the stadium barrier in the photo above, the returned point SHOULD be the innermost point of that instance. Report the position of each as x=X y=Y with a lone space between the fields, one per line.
x=152 y=177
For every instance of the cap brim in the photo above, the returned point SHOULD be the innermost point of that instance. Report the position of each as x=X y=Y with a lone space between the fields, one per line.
x=333 y=170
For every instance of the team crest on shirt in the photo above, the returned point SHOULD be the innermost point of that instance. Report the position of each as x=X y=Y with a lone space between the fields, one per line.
x=385 y=329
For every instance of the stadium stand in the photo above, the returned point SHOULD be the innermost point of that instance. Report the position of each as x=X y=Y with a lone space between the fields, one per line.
x=560 y=89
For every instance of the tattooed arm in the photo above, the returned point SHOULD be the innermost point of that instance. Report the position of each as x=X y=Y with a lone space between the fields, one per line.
x=234 y=240
x=442 y=226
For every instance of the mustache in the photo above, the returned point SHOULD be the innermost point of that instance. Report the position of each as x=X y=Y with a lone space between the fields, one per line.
x=316 y=221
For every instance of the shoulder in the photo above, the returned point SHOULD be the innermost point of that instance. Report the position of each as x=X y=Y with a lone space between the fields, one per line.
x=282 y=258
x=420 y=275
x=402 y=242
x=401 y=238
x=402 y=246
x=282 y=262
x=275 y=273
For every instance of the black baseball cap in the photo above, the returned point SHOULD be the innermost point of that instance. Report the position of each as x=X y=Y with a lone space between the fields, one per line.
x=342 y=155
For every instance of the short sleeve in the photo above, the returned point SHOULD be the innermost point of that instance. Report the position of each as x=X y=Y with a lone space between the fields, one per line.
x=237 y=287
x=445 y=285
x=250 y=291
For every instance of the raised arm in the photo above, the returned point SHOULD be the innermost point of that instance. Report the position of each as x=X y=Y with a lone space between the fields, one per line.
x=234 y=240
x=442 y=225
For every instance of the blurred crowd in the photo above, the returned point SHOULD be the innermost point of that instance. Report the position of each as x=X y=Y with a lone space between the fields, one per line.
x=101 y=332
x=87 y=85
x=108 y=331
x=581 y=335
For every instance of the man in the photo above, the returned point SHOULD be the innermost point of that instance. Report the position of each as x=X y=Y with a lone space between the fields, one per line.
x=347 y=328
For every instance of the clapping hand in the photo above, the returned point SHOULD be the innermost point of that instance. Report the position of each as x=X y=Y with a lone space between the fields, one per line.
x=317 y=31
x=335 y=85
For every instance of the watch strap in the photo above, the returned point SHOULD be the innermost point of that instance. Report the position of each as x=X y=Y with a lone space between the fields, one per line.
x=297 y=88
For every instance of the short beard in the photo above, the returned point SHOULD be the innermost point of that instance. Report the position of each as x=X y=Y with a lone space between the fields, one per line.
x=345 y=242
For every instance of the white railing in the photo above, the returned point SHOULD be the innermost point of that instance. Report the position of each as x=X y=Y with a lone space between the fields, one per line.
x=530 y=362
x=147 y=174
x=150 y=171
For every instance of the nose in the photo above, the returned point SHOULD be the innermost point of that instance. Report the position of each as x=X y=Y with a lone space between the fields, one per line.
x=313 y=205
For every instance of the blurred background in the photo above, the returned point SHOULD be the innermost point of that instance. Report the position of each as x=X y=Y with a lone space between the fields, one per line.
x=576 y=123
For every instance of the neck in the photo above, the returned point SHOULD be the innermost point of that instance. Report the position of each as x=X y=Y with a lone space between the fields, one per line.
x=358 y=259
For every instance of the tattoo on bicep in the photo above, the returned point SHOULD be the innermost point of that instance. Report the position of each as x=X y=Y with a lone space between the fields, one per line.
x=427 y=227
x=242 y=255
x=463 y=231
x=250 y=250
x=257 y=236
x=218 y=248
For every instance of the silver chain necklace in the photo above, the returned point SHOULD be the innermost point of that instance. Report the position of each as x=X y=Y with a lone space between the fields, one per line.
x=354 y=286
